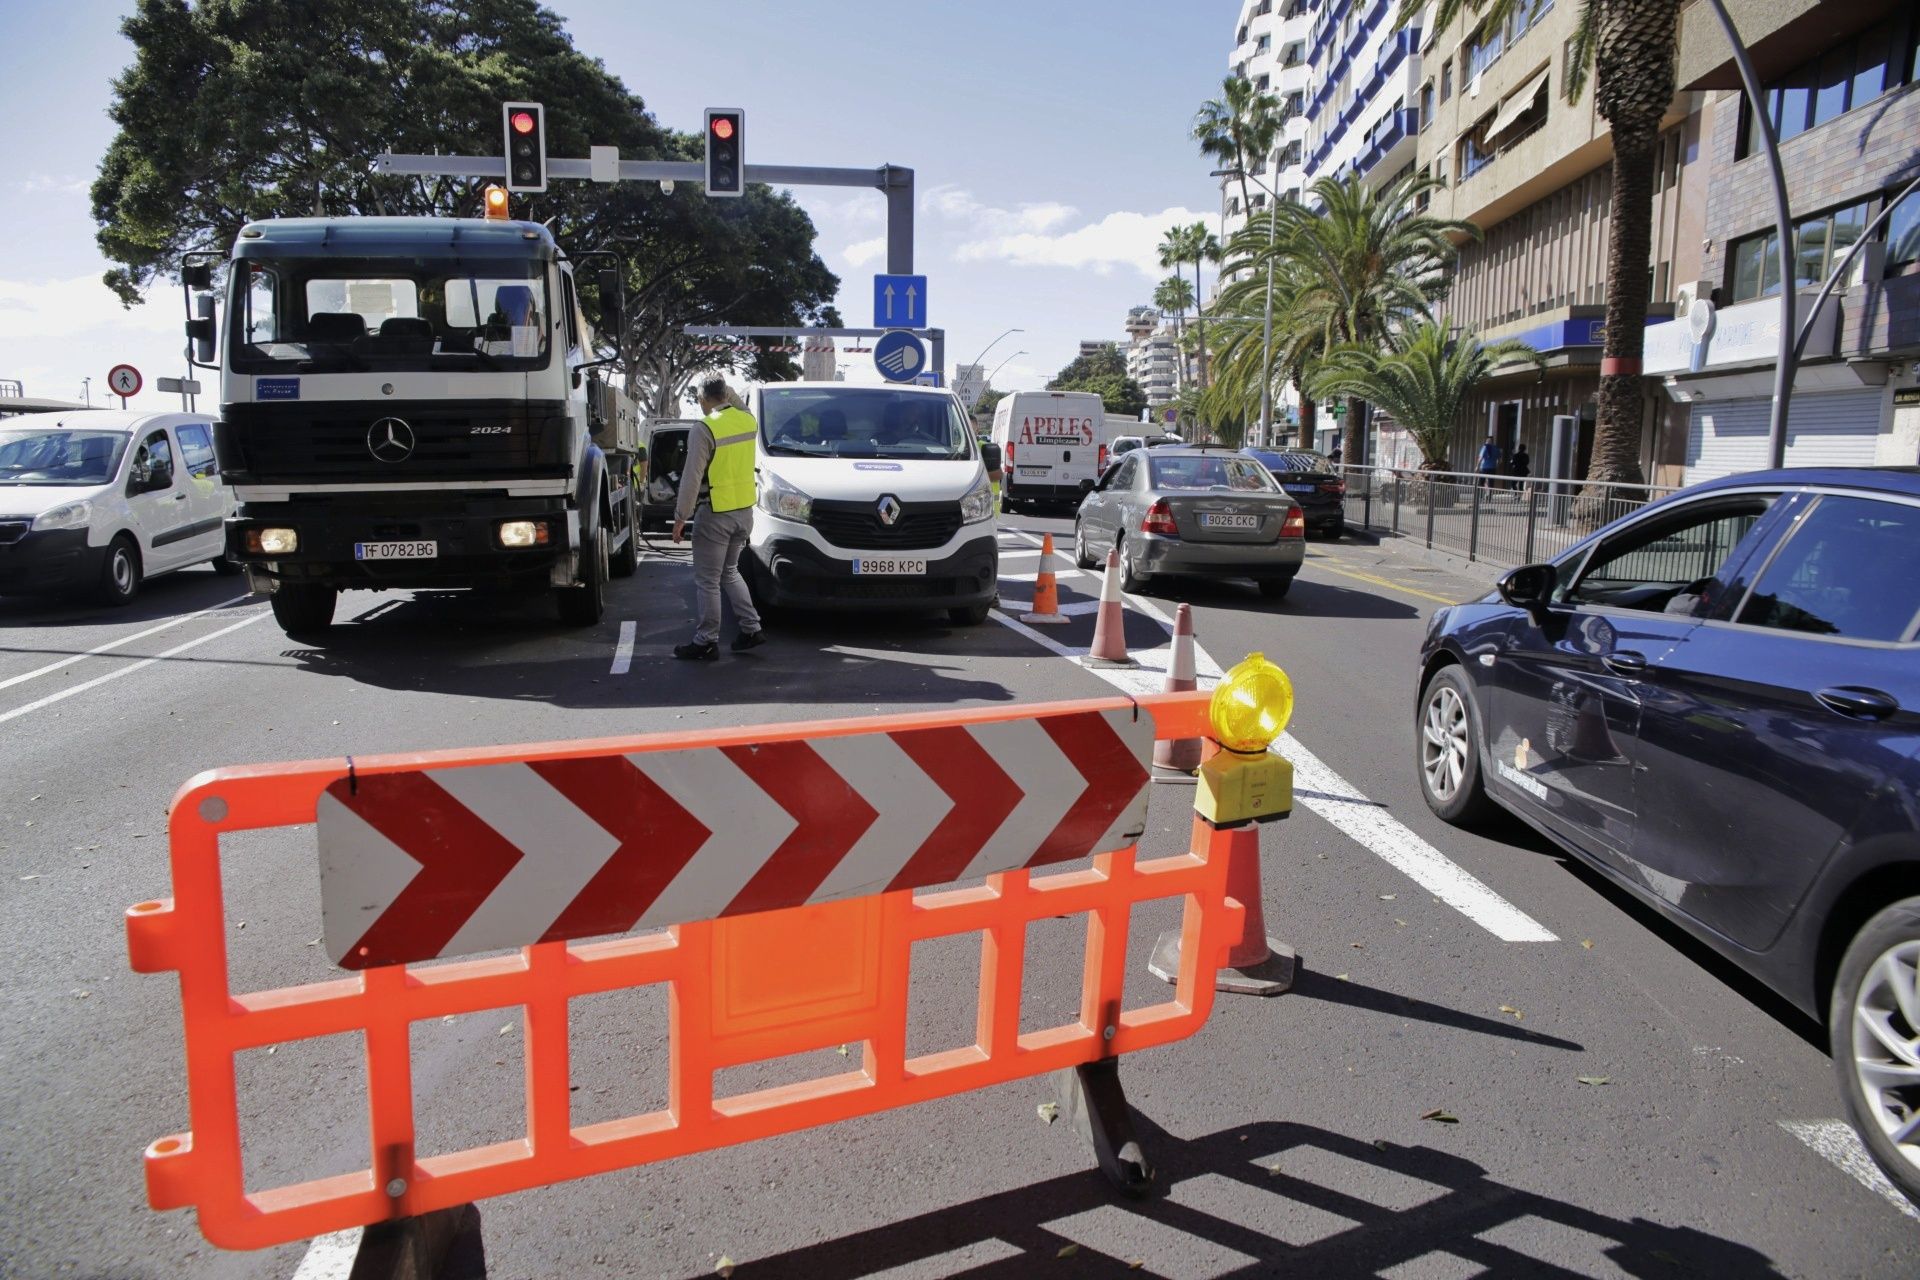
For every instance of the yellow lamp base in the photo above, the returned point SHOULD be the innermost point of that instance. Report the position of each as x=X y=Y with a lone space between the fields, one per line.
x=1237 y=788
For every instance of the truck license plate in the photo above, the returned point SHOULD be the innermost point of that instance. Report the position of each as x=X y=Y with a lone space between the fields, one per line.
x=1230 y=522
x=396 y=550
x=888 y=565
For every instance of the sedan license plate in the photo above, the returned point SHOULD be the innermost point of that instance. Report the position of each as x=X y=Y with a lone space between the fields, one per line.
x=1229 y=522
x=1299 y=488
x=889 y=565
x=396 y=550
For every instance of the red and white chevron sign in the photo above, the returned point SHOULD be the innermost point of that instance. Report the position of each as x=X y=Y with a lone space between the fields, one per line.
x=451 y=861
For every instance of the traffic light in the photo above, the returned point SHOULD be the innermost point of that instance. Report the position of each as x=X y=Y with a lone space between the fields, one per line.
x=525 y=126
x=726 y=151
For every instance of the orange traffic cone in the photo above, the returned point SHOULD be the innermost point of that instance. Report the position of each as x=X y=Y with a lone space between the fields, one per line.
x=1180 y=753
x=1256 y=964
x=1110 y=627
x=1046 y=592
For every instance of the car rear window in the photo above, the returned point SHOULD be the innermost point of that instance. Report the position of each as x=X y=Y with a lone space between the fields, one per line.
x=1847 y=570
x=1293 y=461
x=1207 y=472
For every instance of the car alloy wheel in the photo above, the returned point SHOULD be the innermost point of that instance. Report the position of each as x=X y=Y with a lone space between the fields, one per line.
x=1445 y=740
x=1886 y=1046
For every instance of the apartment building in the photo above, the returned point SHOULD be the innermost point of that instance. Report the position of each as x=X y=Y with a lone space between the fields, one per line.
x=1153 y=354
x=1362 y=109
x=1270 y=50
x=1842 y=87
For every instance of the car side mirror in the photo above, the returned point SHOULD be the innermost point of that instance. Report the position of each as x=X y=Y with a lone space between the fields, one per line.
x=1530 y=587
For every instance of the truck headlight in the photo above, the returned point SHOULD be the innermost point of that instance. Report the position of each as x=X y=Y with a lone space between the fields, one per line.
x=523 y=533
x=273 y=542
x=72 y=515
x=778 y=498
x=978 y=504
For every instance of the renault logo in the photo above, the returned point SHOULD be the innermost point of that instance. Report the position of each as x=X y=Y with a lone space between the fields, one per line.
x=889 y=509
x=390 y=440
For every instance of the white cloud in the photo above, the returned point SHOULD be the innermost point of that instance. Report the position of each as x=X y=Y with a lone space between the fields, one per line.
x=80 y=305
x=865 y=251
x=953 y=203
x=54 y=184
x=1117 y=240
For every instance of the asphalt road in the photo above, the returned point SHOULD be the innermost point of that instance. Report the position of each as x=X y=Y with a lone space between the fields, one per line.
x=1289 y=1133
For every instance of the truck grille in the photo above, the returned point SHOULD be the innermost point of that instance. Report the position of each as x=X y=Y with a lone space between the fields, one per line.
x=857 y=525
x=329 y=441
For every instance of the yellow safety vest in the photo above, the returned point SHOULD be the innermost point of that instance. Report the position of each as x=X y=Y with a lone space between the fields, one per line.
x=730 y=473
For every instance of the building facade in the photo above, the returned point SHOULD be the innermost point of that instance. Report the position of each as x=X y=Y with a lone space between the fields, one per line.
x=1270 y=50
x=1153 y=354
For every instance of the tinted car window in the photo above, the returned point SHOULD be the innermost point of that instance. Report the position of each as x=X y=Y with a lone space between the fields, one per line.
x=1663 y=565
x=155 y=458
x=1851 y=569
x=196 y=447
x=1292 y=461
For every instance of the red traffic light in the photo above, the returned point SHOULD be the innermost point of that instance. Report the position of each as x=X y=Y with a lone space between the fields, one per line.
x=722 y=128
x=523 y=122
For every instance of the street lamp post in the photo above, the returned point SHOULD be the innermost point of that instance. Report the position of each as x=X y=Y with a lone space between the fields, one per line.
x=1266 y=329
x=1003 y=364
x=983 y=355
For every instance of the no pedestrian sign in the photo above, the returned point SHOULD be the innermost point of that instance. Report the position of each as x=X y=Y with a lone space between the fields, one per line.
x=124 y=380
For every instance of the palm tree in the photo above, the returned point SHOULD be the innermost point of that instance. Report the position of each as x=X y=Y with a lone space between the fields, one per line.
x=1239 y=128
x=1356 y=271
x=1174 y=295
x=1195 y=244
x=1630 y=45
x=1424 y=380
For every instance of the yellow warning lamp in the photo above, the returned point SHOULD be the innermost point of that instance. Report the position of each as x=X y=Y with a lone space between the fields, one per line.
x=496 y=202
x=1244 y=781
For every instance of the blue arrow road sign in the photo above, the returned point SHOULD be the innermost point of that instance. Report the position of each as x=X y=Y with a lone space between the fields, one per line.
x=900 y=357
x=899 y=302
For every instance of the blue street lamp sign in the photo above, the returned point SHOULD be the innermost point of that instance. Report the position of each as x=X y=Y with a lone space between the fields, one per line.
x=899 y=302
x=900 y=357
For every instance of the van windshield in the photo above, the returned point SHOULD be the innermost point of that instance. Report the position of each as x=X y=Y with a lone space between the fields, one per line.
x=862 y=422
x=41 y=456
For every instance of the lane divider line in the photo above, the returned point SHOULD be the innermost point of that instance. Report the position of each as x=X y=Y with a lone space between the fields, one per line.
x=1383 y=582
x=1840 y=1146
x=115 y=644
x=330 y=1257
x=97 y=681
x=623 y=651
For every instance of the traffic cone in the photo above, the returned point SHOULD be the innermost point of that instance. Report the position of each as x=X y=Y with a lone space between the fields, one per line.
x=1110 y=626
x=1256 y=964
x=1046 y=592
x=1180 y=753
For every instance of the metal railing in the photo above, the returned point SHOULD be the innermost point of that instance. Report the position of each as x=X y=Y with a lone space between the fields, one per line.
x=1501 y=520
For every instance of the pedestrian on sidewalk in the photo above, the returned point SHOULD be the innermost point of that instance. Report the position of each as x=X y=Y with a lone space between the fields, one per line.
x=1488 y=463
x=717 y=483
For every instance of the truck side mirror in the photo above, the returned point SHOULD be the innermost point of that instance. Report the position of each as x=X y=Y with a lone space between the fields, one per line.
x=611 y=308
x=201 y=331
x=196 y=275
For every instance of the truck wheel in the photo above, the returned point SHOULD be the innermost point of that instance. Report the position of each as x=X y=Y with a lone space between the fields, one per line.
x=120 y=575
x=1874 y=1031
x=969 y=615
x=226 y=568
x=627 y=558
x=582 y=606
x=301 y=608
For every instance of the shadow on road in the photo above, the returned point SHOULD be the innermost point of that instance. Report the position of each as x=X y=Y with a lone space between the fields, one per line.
x=1308 y=597
x=1259 y=1191
x=1317 y=986
x=160 y=598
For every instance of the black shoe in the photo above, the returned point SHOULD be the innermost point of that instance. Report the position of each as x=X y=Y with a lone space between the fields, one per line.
x=748 y=640
x=699 y=652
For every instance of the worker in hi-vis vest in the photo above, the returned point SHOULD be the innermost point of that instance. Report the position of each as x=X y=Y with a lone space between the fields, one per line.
x=718 y=479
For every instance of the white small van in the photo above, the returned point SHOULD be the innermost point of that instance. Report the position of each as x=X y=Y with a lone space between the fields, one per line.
x=95 y=500
x=1052 y=446
x=871 y=497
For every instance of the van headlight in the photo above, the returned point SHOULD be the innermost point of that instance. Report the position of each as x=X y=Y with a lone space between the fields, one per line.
x=73 y=515
x=978 y=504
x=778 y=498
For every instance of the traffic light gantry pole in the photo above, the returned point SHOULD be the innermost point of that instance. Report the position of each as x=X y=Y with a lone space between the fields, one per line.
x=893 y=181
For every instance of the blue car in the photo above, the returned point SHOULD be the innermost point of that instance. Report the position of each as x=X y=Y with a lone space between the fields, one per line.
x=1715 y=701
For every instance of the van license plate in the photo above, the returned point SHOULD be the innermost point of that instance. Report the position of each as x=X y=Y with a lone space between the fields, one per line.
x=871 y=565
x=1230 y=522
x=396 y=550
x=1034 y=471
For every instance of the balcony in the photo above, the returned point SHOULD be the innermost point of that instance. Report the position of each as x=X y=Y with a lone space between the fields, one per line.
x=1387 y=141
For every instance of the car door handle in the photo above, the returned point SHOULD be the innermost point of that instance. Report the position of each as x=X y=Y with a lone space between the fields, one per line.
x=1626 y=663
x=1858 y=704
x=179 y=497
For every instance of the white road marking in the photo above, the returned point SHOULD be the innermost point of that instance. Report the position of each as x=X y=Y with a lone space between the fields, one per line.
x=1836 y=1141
x=1338 y=801
x=330 y=1257
x=623 y=652
x=115 y=644
x=97 y=681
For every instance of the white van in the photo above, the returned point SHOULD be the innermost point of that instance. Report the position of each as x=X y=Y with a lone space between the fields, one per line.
x=1052 y=445
x=95 y=500
x=871 y=497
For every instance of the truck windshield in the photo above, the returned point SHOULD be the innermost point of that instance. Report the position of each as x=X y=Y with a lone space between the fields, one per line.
x=862 y=422
x=59 y=457
x=332 y=314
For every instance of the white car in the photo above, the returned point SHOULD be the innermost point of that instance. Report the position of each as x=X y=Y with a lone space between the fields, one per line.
x=871 y=497
x=96 y=500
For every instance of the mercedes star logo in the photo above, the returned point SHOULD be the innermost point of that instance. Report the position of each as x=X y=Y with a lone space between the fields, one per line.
x=390 y=440
x=889 y=509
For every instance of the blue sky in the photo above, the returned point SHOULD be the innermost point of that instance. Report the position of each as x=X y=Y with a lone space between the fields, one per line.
x=1049 y=143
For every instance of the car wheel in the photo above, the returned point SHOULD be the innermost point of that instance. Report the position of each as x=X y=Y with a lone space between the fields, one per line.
x=1082 y=558
x=120 y=575
x=582 y=606
x=1874 y=1030
x=1275 y=588
x=226 y=568
x=1448 y=734
x=969 y=615
x=302 y=608
x=1132 y=581
x=1337 y=530
x=627 y=559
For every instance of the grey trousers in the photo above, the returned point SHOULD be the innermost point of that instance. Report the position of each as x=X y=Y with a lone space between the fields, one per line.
x=719 y=538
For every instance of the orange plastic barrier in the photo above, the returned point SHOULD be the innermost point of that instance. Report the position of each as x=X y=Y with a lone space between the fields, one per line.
x=736 y=997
